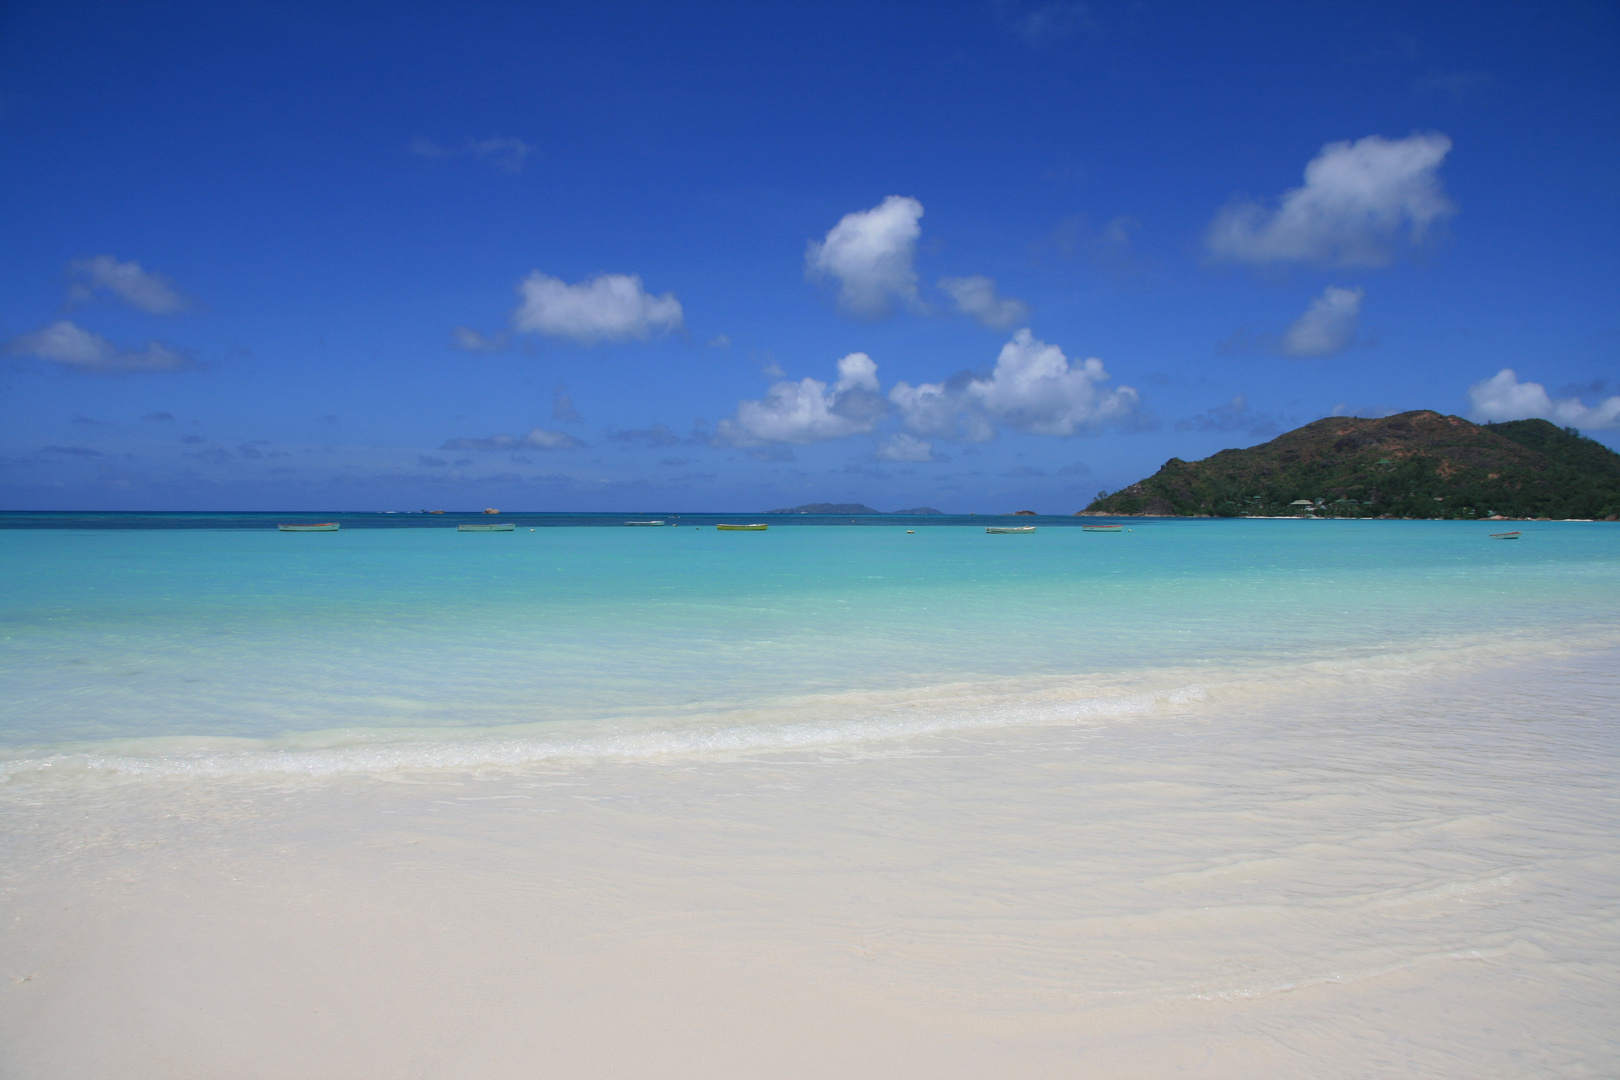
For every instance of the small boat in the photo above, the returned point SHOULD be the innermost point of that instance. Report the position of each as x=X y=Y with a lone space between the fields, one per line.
x=644 y=523
x=1009 y=528
x=1102 y=528
x=1505 y=536
x=324 y=526
x=742 y=528
x=507 y=526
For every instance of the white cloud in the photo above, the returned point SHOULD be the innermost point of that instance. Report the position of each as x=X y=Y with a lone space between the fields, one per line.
x=536 y=439
x=977 y=296
x=654 y=438
x=942 y=410
x=1234 y=415
x=470 y=340
x=503 y=152
x=809 y=411
x=72 y=346
x=1328 y=325
x=1504 y=397
x=1044 y=23
x=126 y=281
x=1357 y=199
x=562 y=408
x=1033 y=388
x=904 y=447
x=608 y=307
x=506 y=154
x=869 y=253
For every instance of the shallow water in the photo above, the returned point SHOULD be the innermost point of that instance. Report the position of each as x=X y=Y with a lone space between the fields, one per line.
x=1251 y=798
x=118 y=643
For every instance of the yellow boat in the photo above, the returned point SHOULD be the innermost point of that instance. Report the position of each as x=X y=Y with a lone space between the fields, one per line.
x=742 y=528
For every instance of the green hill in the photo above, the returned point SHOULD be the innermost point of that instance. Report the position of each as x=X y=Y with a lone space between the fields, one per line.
x=1414 y=465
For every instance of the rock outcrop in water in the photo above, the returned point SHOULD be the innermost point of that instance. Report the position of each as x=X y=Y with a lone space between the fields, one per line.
x=1415 y=465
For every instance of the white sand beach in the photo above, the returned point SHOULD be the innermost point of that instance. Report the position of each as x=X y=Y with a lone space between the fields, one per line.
x=1417 y=881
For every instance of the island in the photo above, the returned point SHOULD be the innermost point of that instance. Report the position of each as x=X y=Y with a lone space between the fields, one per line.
x=853 y=508
x=1419 y=464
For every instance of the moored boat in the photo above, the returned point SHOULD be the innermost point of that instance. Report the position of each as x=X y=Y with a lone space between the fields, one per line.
x=742 y=528
x=644 y=523
x=1102 y=528
x=1505 y=536
x=1009 y=528
x=324 y=526
x=504 y=527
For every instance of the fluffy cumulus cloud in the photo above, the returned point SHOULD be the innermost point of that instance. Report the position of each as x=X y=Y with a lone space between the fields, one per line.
x=809 y=410
x=1033 y=388
x=1358 y=202
x=536 y=439
x=869 y=253
x=904 y=447
x=608 y=307
x=125 y=282
x=1328 y=326
x=75 y=348
x=977 y=296
x=1504 y=397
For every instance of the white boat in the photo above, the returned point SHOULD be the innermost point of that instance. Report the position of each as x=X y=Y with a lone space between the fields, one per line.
x=742 y=528
x=504 y=527
x=324 y=526
x=1009 y=528
x=644 y=523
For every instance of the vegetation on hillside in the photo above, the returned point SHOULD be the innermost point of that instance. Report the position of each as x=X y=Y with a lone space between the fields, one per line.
x=1414 y=465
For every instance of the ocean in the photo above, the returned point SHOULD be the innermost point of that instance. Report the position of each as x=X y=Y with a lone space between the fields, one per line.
x=1330 y=798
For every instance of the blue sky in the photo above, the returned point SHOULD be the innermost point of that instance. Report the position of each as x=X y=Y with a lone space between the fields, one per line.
x=983 y=256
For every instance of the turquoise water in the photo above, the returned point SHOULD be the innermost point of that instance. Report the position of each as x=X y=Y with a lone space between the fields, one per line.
x=199 y=648
x=1245 y=798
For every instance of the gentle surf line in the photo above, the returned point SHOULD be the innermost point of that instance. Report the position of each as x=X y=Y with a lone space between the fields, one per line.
x=810 y=722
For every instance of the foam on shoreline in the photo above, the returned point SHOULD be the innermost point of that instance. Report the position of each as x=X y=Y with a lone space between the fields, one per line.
x=845 y=721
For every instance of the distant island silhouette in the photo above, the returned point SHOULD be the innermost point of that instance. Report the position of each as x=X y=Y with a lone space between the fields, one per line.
x=852 y=508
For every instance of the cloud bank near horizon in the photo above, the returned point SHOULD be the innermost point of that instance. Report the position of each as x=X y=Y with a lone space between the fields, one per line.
x=1504 y=397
